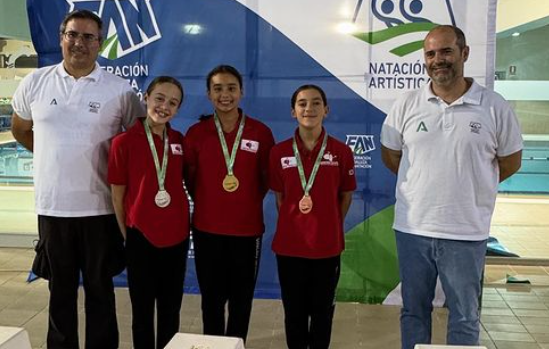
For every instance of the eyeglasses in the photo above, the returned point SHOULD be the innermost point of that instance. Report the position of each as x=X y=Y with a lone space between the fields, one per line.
x=72 y=36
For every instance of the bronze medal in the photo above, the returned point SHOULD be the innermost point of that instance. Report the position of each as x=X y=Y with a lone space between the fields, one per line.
x=230 y=183
x=305 y=204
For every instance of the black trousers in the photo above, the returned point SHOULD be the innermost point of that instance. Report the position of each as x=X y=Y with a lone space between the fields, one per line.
x=308 y=296
x=155 y=275
x=226 y=269
x=94 y=247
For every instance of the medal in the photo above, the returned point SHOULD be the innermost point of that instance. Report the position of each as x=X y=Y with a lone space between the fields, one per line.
x=230 y=182
x=306 y=202
x=162 y=198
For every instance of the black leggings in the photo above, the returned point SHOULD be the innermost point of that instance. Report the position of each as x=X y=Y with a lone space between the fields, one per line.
x=155 y=276
x=226 y=269
x=308 y=295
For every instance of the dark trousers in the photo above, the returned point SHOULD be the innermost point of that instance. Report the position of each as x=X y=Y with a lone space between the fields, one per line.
x=155 y=275
x=226 y=269
x=308 y=296
x=92 y=246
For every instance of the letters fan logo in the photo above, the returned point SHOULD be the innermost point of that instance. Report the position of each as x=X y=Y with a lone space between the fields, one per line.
x=130 y=24
x=361 y=144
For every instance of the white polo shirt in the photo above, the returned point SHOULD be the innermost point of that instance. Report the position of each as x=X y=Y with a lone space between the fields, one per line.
x=73 y=123
x=448 y=176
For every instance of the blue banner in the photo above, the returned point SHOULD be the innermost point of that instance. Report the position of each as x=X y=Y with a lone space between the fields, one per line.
x=277 y=47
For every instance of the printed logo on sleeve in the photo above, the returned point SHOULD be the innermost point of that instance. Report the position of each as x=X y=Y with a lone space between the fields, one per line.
x=288 y=162
x=251 y=146
x=177 y=149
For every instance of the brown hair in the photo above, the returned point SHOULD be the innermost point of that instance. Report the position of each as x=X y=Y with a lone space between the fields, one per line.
x=165 y=80
x=308 y=87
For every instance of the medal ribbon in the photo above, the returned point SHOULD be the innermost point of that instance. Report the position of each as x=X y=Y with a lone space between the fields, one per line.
x=308 y=184
x=229 y=159
x=160 y=172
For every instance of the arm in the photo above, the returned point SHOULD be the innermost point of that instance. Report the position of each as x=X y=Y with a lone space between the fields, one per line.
x=189 y=173
x=345 y=199
x=266 y=144
x=22 y=131
x=278 y=200
x=190 y=164
x=508 y=165
x=118 y=193
x=391 y=158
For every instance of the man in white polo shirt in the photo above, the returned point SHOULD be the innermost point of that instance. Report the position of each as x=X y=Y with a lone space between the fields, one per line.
x=67 y=114
x=450 y=144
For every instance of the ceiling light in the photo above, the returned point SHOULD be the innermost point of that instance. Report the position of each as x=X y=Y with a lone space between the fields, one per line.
x=346 y=28
x=192 y=29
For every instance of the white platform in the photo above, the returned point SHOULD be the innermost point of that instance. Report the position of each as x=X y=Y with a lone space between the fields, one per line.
x=198 y=341
x=14 y=338
x=432 y=346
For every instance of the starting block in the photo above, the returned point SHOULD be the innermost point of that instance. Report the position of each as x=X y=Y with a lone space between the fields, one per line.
x=198 y=341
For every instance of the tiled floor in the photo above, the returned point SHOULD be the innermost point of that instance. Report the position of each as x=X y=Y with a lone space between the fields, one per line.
x=521 y=223
x=513 y=316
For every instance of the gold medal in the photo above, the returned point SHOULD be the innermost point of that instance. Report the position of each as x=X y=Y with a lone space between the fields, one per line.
x=230 y=183
x=305 y=204
x=162 y=199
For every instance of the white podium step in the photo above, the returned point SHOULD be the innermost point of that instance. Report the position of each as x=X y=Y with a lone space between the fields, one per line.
x=198 y=341
x=433 y=346
x=14 y=338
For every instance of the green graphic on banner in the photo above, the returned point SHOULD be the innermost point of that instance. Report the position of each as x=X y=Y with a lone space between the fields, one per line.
x=109 y=49
x=369 y=265
x=394 y=32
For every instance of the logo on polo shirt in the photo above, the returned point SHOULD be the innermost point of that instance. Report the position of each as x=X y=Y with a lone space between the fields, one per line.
x=53 y=102
x=177 y=149
x=288 y=162
x=251 y=146
x=329 y=159
x=475 y=127
x=421 y=127
x=94 y=107
x=130 y=24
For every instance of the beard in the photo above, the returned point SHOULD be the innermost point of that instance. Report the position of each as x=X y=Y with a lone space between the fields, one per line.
x=443 y=78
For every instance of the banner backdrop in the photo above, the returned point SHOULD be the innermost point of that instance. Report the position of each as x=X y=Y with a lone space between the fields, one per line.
x=362 y=53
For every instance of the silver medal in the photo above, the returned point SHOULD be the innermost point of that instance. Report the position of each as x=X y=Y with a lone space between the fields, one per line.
x=162 y=198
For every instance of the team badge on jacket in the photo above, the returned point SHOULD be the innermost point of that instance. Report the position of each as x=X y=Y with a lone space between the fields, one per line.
x=177 y=149
x=251 y=146
x=288 y=162
x=329 y=159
